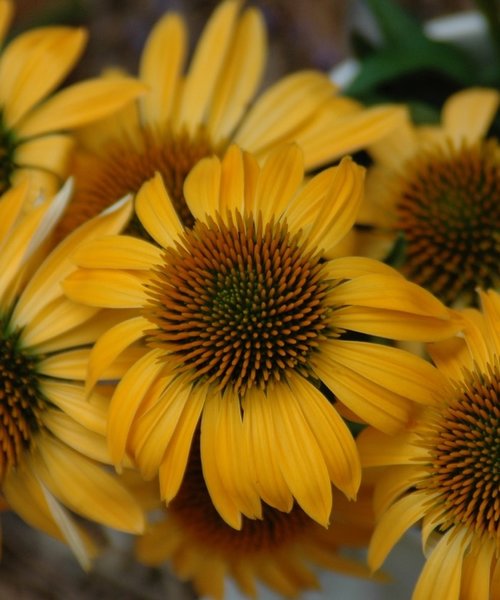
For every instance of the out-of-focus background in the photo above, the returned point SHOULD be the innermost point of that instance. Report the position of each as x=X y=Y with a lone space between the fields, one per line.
x=302 y=34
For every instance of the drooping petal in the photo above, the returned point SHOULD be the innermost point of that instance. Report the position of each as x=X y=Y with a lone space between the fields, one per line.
x=394 y=522
x=127 y=398
x=441 y=575
x=117 y=252
x=332 y=435
x=476 y=575
x=6 y=11
x=300 y=457
x=70 y=365
x=351 y=267
x=378 y=449
x=87 y=488
x=48 y=154
x=259 y=436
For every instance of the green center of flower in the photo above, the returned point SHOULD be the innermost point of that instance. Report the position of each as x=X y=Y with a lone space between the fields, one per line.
x=20 y=402
x=449 y=212
x=125 y=164
x=238 y=303
x=465 y=453
x=7 y=165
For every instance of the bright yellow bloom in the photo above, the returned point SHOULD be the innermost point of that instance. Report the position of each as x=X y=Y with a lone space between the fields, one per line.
x=52 y=438
x=445 y=469
x=188 y=116
x=437 y=189
x=278 y=550
x=34 y=138
x=243 y=317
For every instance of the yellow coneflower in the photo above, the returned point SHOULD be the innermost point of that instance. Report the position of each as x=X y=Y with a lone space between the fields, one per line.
x=243 y=316
x=280 y=550
x=445 y=468
x=438 y=189
x=34 y=139
x=186 y=117
x=52 y=438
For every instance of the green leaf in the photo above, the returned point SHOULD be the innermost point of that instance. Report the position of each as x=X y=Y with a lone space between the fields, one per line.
x=398 y=28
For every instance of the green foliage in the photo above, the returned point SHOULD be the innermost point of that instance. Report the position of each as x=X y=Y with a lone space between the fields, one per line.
x=407 y=66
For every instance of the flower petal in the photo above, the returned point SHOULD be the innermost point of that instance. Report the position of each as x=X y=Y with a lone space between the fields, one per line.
x=80 y=104
x=117 y=252
x=378 y=449
x=161 y=67
x=202 y=188
x=468 y=114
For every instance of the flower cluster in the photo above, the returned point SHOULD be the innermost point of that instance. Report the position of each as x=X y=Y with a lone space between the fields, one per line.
x=204 y=338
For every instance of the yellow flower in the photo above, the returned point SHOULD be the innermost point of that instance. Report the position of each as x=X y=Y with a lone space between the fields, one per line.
x=52 y=438
x=243 y=317
x=278 y=550
x=437 y=189
x=188 y=116
x=34 y=138
x=445 y=468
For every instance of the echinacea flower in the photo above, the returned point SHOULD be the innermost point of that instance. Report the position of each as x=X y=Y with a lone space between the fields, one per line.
x=437 y=189
x=242 y=317
x=445 y=468
x=34 y=128
x=188 y=116
x=280 y=550
x=52 y=438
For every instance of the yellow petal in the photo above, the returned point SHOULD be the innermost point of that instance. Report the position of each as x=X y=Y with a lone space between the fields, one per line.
x=350 y=267
x=50 y=153
x=157 y=213
x=152 y=430
x=232 y=461
x=161 y=67
x=232 y=182
x=396 y=520
x=111 y=344
x=240 y=75
x=202 y=188
x=224 y=502
x=280 y=111
x=378 y=449
x=329 y=137
x=174 y=462
x=396 y=325
x=70 y=399
x=441 y=575
x=70 y=365
x=117 y=252
x=332 y=435
x=340 y=206
x=57 y=317
x=259 y=436
x=490 y=302
x=11 y=207
x=76 y=436
x=31 y=69
x=45 y=285
x=80 y=104
x=373 y=403
x=477 y=567
x=206 y=65
x=468 y=114
x=300 y=457
x=106 y=289
x=392 y=368
x=129 y=394
x=451 y=356
x=393 y=483
x=6 y=11
x=87 y=488
x=279 y=179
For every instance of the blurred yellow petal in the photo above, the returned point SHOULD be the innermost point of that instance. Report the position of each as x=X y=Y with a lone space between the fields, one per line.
x=468 y=114
x=202 y=188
